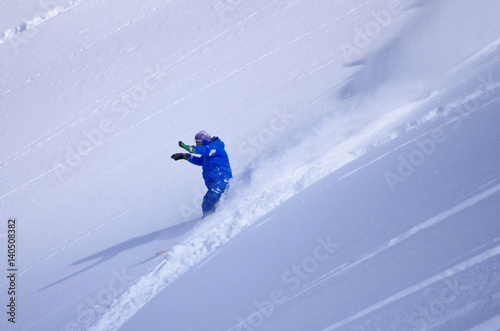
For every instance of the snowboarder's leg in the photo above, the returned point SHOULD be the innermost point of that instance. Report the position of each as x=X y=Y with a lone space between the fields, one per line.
x=212 y=197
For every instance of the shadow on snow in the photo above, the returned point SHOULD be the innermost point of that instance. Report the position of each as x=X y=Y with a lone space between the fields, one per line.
x=108 y=253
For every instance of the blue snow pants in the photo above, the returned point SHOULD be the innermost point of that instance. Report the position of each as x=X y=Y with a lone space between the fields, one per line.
x=213 y=195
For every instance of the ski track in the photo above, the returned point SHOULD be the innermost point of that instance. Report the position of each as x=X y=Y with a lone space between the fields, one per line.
x=388 y=245
x=417 y=287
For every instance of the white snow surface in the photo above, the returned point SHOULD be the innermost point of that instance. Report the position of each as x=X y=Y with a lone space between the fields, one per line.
x=363 y=137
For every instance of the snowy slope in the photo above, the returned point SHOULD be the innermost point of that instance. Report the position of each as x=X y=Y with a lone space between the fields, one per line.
x=336 y=257
x=362 y=136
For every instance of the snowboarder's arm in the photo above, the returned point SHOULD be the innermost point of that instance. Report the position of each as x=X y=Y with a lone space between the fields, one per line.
x=201 y=150
x=188 y=148
x=181 y=156
x=196 y=160
x=188 y=157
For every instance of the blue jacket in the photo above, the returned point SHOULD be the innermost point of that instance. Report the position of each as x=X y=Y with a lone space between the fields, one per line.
x=214 y=161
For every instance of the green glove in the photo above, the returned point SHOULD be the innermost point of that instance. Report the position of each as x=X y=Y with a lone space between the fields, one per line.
x=190 y=149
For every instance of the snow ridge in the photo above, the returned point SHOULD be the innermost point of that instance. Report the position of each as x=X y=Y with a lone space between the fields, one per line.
x=41 y=17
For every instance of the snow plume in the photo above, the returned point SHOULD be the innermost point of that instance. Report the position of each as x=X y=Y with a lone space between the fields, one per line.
x=428 y=48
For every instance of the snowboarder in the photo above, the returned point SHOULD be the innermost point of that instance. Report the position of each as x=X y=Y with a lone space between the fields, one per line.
x=215 y=163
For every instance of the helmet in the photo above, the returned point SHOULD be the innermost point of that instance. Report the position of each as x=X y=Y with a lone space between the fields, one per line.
x=202 y=135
